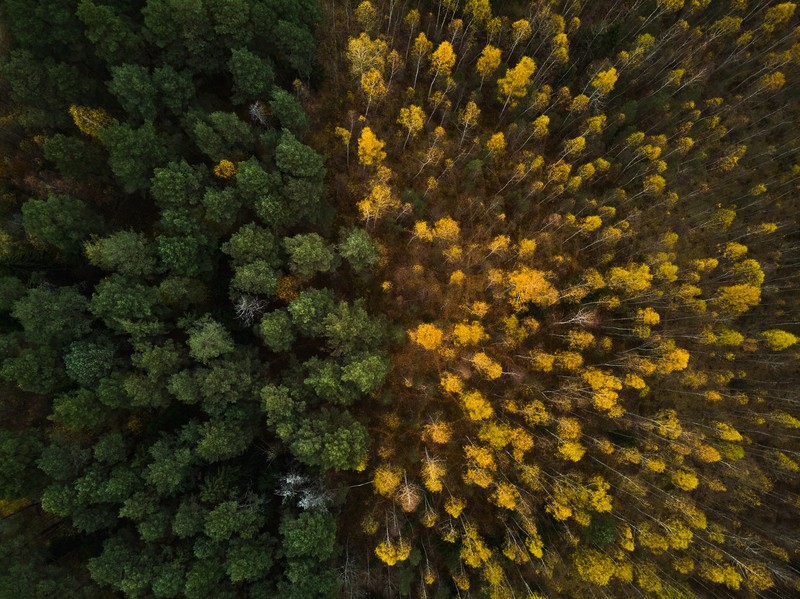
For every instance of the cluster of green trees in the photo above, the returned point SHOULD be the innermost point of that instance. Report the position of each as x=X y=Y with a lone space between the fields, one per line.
x=180 y=347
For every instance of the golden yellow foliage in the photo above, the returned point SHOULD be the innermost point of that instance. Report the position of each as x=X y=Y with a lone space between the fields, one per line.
x=391 y=552
x=433 y=471
x=684 y=565
x=539 y=127
x=481 y=456
x=462 y=581
x=496 y=144
x=516 y=81
x=595 y=124
x=721 y=574
x=648 y=316
x=90 y=121
x=469 y=333
x=474 y=550
x=224 y=169
x=438 y=432
x=386 y=479
x=495 y=434
x=364 y=53
x=380 y=200
x=604 y=81
x=685 y=479
x=505 y=496
x=558 y=510
x=571 y=450
x=626 y=542
x=370 y=148
x=412 y=118
x=634 y=279
x=486 y=366
x=593 y=566
x=479 y=477
x=454 y=506
x=771 y=82
x=530 y=285
x=446 y=229
x=513 y=551
x=569 y=428
x=428 y=336
x=778 y=340
x=599 y=499
x=476 y=405
x=488 y=61
x=708 y=454
x=373 y=86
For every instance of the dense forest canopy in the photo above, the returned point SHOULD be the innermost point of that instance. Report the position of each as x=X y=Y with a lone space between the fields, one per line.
x=394 y=298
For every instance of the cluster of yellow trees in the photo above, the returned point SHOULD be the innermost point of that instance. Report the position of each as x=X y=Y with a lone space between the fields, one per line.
x=584 y=238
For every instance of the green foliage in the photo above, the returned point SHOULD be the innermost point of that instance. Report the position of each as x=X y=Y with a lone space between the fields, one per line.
x=141 y=392
x=186 y=256
x=158 y=361
x=231 y=518
x=250 y=243
x=308 y=580
x=18 y=454
x=308 y=255
x=327 y=438
x=222 y=135
x=134 y=153
x=228 y=437
x=359 y=250
x=275 y=329
x=121 y=303
x=52 y=317
x=178 y=184
x=63 y=460
x=248 y=559
x=189 y=519
x=176 y=90
x=310 y=534
x=73 y=156
x=289 y=112
x=252 y=76
x=11 y=290
x=208 y=339
x=134 y=89
x=127 y=252
x=297 y=159
x=295 y=45
x=86 y=362
x=222 y=208
x=366 y=372
x=325 y=379
x=112 y=35
x=349 y=329
x=169 y=468
x=110 y=449
x=181 y=292
x=253 y=182
x=38 y=370
x=309 y=310
x=78 y=410
x=145 y=441
x=60 y=221
x=257 y=278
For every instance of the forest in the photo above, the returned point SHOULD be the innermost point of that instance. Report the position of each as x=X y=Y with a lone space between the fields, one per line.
x=399 y=298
